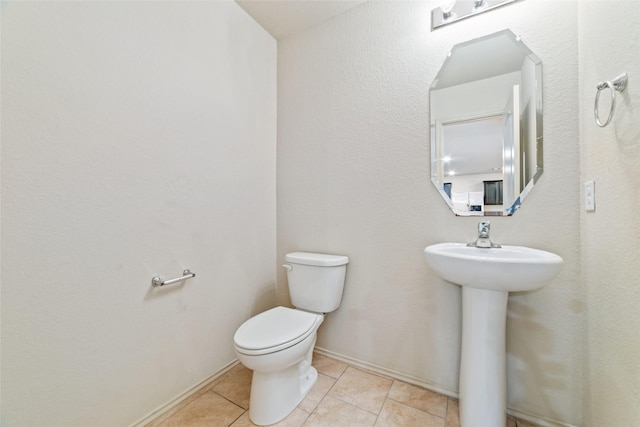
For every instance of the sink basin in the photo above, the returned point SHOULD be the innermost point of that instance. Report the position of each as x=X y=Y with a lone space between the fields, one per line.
x=507 y=269
x=487 y=275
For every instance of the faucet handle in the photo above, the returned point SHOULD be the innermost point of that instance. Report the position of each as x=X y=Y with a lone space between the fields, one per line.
x=483 y=240
x=484 y=227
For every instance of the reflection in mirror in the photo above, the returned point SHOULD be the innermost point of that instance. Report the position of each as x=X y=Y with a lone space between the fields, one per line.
x=486 y=125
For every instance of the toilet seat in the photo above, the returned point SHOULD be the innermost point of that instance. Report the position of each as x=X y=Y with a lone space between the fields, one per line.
x=275 y=330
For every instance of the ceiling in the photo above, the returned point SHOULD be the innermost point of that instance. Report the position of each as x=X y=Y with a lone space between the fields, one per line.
x=282 y=18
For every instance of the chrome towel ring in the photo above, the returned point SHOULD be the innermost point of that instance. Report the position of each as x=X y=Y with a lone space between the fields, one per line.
x=618 y=84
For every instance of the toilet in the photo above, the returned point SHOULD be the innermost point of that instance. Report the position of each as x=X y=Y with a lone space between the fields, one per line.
x=278 y=343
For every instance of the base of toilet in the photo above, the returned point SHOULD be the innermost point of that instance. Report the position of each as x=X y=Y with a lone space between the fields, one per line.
x=274 y=395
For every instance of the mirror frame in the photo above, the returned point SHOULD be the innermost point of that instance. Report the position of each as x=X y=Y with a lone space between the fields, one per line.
x=533 y=138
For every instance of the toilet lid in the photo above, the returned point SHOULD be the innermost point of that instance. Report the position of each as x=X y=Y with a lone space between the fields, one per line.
x=275 y=327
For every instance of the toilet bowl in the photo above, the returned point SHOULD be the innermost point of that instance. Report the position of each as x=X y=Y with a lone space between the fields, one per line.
x=278 y=346
x=278 y=343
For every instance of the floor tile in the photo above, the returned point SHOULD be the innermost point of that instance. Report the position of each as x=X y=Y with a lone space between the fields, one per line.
x=343 y=396
x=395 y=414
x=419 y=398
x=157 y=422
x=236 y=386
x=328 y=366
x=522 y=423
x=453 y=414
x=362 y=389
x=332 y=412
x=294 y=419
x=317 y=393
x=209 y=410
x=162 y=418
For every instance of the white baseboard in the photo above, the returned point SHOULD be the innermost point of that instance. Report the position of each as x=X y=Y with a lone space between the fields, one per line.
x=537 y=420
x=540 y=421
x=388 y=372
x=184 y=395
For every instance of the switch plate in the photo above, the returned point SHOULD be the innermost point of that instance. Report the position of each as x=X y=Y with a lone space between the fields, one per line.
x=590 y=196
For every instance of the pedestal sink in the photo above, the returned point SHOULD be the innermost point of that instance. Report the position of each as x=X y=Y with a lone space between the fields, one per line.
x=487 y=275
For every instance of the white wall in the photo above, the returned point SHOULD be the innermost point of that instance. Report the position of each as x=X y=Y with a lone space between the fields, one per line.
x=609 y=43
x=353 y=178
x=138 y=138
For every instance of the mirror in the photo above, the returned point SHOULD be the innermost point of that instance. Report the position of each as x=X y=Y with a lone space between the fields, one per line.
x=486 y=125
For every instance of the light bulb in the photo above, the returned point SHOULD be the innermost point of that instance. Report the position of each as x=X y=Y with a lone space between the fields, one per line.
x=479 y=5
x=447 y=9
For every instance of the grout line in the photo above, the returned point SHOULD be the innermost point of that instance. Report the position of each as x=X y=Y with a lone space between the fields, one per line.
x=386 y=397
x=388 y=373
x=446 y=412
x=239 y=416
x=225 y=398
x=208 y=383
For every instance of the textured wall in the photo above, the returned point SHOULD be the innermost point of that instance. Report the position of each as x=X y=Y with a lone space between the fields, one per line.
x=138 y=138
x=609 y=43
x=353 y=178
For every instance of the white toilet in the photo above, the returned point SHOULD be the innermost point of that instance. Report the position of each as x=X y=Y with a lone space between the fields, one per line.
x=278 y=344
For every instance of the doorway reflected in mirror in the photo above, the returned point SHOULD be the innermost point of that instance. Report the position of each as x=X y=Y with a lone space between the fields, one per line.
x=486 y=125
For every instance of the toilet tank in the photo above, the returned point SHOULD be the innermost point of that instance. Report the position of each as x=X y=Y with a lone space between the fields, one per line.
x=316 y=281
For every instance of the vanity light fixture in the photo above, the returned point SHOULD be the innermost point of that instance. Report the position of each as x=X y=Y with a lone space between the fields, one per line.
x=452 y=11
x=479 y=5
x=447 y=10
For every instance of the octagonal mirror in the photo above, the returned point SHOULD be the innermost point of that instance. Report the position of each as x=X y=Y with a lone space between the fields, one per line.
x=486 y=125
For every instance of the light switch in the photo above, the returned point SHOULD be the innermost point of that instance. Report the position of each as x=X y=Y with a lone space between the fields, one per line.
x=590 y=196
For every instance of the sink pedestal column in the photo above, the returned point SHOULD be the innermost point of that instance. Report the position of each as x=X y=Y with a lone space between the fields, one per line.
x=483 y=385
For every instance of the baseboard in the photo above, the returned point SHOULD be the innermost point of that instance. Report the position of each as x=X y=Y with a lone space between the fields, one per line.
x=537 y=420
x=540 y=421
x=184 y=395
x=388 y=372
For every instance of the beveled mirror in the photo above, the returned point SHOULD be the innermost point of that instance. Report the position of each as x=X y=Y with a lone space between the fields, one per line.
x=486 y=125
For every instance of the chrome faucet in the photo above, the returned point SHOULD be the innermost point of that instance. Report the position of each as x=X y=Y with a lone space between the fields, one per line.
x=483 y=240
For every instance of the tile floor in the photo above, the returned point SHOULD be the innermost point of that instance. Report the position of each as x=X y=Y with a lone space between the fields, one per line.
x=344 y=395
